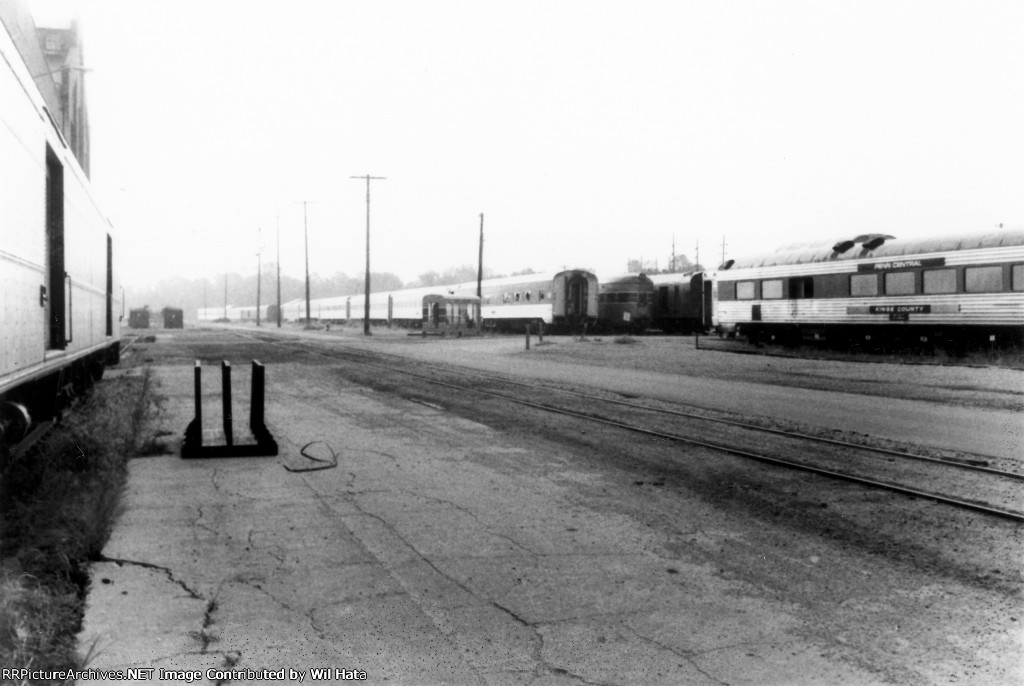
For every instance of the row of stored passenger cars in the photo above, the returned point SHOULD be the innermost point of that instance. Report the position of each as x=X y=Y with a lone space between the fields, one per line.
x=865 y=291
x=60 y=316
x=566 y=299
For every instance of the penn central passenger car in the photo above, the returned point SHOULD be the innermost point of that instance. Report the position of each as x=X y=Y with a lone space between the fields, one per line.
x=875 y=289
x=57 y=280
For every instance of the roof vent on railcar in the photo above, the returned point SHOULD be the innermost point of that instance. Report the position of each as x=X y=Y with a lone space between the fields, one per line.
x=842 y=246
x=725 y=265
x=870 y=241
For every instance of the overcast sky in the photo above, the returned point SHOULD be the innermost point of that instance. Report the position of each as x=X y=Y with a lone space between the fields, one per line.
x=587 y=132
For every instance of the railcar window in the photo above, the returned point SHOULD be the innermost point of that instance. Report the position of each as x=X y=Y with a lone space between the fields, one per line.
x=771 y=289
x=863 y=285
x=983 y=279
x=899 y=283
x=745 y=290
x=939 y=281
x=1017 y=277
x=801 y=287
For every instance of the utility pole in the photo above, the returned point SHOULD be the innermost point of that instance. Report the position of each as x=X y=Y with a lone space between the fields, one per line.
x=723 y=250
x=259 y=270
x=696 y=257
x=672 y=267
x=305 y=229
x=225 y=295
x=279 y=272
x=366 y=302
x=480 y=261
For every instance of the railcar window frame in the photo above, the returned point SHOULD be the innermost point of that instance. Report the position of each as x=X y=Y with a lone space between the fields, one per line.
x=801 y=287
x=771 y=289
x=899 y=287
x=1017 y=277
x=929 y=285
x=742 y=289
x=985 y=284
x=865 y=280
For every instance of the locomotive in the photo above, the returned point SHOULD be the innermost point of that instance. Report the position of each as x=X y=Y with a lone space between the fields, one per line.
x=625 y=303
x=682 y=303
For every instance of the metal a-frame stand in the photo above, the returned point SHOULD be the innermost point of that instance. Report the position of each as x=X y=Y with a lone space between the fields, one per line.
x=265 y=444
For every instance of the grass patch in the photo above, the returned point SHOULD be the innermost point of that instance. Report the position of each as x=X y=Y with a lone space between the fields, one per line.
x=58 y=505
x=625 y=340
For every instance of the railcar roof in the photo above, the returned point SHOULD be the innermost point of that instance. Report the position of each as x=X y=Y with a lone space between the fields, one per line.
x=672 y=277
x=825 y=251
x=632 y=277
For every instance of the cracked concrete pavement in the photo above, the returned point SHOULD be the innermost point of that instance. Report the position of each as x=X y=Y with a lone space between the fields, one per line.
x=425 y=557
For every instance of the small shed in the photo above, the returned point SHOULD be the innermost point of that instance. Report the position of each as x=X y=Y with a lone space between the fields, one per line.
x=139 y=318
x=174 y=318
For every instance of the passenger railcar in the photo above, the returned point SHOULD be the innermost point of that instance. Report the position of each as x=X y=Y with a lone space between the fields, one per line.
x=404 y=307
x=877 y=290
x=624 y=303
x=682 y=303
x=565 y=300
x=57 y=281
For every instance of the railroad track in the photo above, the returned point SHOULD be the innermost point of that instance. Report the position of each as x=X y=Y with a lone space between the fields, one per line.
x=964 y=483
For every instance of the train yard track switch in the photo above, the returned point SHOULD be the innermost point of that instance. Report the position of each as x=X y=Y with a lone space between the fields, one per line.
x=260 y=444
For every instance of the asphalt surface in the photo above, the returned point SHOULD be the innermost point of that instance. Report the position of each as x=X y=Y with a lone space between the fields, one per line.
x=415 y=562
x=440 y=550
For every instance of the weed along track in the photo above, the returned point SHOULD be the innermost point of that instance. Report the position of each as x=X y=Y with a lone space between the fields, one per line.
x=968 y=483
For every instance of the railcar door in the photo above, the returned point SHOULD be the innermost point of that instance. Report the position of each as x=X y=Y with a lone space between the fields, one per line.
x=52 y=294
x=576 y=303
x=703 y=287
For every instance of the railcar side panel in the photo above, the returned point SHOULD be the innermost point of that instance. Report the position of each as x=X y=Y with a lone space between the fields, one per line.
x=58 y=325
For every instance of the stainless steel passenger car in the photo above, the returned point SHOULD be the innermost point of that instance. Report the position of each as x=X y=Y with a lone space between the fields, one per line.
x=59 y=315
x=567 y=300
x=877 y=290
